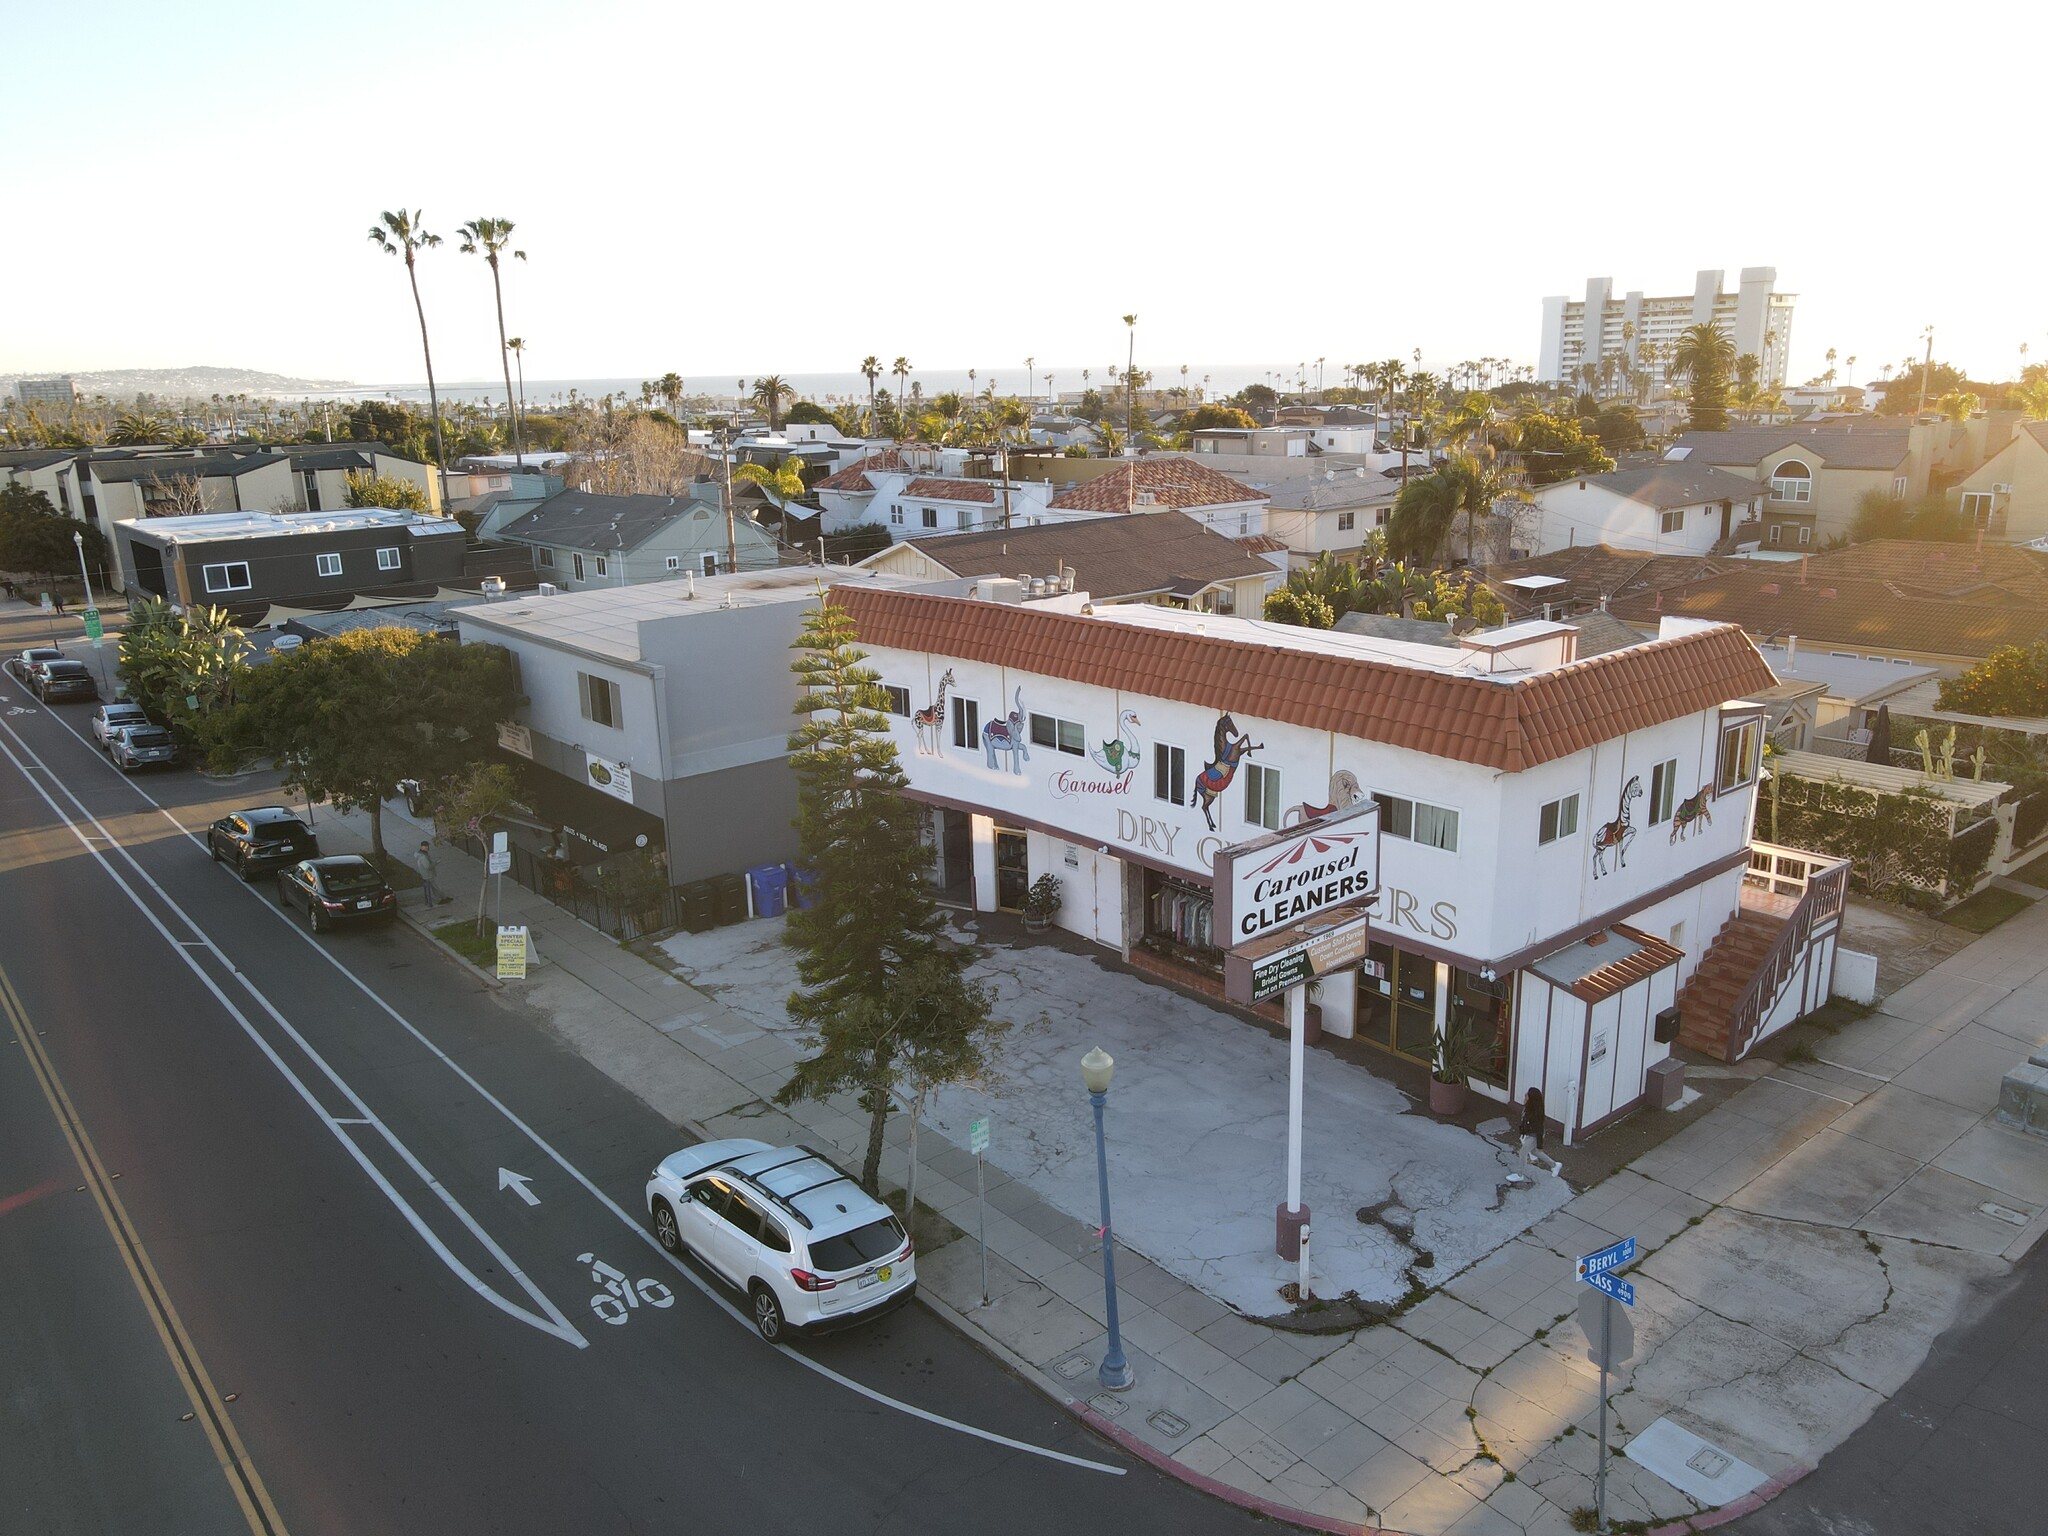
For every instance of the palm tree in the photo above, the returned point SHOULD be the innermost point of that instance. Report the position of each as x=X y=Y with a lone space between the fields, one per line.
x=1703 y=357
x=516 y=345
x=1031 y=377
x=1831 y=365
x=491 y=237
x=871 y=370
x=1130 y=357
x=403 y=232
x=670 y=387
x=769 y=393
x=900 y=369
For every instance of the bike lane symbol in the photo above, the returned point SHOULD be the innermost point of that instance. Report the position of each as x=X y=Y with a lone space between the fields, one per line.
x=620 y=1296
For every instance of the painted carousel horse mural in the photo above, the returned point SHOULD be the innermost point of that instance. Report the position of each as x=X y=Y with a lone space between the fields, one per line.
x=929 y=722
x=1232 y=747
x=1617 y=834
x=1121 y=755
x=1007 y=735
x=1690 y=810
x=1344 y=793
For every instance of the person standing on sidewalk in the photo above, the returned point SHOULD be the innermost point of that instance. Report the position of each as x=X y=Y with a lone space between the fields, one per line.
x=1532 y=1135
x=423 y=861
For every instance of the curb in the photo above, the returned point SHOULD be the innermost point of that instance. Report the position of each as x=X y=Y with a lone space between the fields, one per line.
x=1748 y=1504
x=418 y=926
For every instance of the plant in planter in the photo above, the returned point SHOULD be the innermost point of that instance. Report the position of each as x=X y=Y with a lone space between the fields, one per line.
x=1447 y=1076
x=1042 y=901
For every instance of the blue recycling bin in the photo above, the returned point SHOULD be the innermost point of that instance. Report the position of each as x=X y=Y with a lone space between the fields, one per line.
x=769 y=884
x=802 y=890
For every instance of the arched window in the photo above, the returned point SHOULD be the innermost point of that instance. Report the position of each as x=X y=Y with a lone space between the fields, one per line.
x=1792 y=481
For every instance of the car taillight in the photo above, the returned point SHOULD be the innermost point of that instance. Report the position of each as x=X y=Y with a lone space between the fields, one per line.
x=333 y=906
x=389 y=897
x=806 y=1281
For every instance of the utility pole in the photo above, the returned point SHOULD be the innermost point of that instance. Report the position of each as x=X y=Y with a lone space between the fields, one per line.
x=732 y=538
x=1926 y=368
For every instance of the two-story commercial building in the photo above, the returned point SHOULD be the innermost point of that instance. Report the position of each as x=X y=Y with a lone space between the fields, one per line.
x=245 y=560
x=1562 y=841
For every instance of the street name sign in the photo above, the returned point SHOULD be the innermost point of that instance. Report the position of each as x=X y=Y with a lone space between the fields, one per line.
x=1597 y=1270
x=1612 y=1285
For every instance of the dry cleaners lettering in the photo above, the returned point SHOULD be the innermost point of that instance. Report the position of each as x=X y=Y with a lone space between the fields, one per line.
x=1298 y=893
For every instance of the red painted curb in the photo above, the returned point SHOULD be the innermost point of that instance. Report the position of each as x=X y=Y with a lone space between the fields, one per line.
x=1748 y=1504
x=1215 y=1487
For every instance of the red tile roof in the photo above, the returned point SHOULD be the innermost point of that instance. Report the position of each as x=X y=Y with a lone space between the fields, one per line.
x=854 y=476
x=1178 y=483
x=1263 y=544
x=1618 y=975
x=1510 y=725
x=951 y=490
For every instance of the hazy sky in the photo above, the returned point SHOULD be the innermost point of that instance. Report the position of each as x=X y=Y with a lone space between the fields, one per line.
x=744 y=188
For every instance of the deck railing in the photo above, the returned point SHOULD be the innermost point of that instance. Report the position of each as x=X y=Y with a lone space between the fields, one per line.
x=1820 y=882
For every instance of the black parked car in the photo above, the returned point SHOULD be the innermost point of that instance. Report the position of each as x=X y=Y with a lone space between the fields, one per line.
x=342 y=889
x=63 y=682
x=261 y=838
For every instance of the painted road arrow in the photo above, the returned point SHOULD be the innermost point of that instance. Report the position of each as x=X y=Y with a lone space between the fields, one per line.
x=507 y=1179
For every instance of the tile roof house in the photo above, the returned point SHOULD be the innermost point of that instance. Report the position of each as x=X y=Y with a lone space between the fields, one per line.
x=583 y=540
x=1816 y=472
x=1949 y=605
x=1143 y=485
x=1678 y=506
x=1586 y=576
x=1168 y=558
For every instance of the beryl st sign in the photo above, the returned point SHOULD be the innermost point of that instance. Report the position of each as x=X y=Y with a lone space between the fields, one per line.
x=1597 y=1270
x=1276 y=881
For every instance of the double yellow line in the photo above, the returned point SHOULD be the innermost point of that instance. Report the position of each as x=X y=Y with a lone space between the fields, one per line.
x=207 y=1405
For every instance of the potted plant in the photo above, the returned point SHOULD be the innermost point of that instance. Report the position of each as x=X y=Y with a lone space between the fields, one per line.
x=1447 y=1087
x=1041 y=902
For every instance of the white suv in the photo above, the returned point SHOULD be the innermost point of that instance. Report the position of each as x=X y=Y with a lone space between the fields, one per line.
x=811 y=1248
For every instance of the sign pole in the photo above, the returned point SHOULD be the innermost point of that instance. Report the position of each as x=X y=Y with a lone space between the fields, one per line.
x=981 y=1205
x=1606 y=1345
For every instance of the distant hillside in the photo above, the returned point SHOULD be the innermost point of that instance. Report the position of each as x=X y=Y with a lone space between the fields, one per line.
x=183 y=383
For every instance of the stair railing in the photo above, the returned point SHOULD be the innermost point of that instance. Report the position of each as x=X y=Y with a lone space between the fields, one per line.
x=1825 y=890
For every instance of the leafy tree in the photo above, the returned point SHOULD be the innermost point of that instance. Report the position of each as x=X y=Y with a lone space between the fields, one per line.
x=1213 y=415
x=786 y=481
x=1333 y=580
x=36 y=539
x=873 y=968
x=397 y=233
x=188 y=669
x=349 y=717
x=1254 y=398
x=380 y=421
x=368 y=490
x=1451 y=597
x=1291 y=605
x=492 y=237
x=807 y=411
x=2011 y=681
x=1554 y=448
x=472 y=804
x=1616 y=428
x=1090 y=408
x=1423 y=514
x=1958 y=405
x=1902 y=395
x=1704 y=357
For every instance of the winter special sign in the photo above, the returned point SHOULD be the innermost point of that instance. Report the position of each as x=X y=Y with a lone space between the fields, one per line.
x=1273 y=881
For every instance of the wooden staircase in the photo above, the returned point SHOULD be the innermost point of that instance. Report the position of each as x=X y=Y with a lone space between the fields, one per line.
x=1707 y=1004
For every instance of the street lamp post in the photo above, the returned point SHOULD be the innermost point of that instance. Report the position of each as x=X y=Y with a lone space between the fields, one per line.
x=1096 y=1068
x=78 y=543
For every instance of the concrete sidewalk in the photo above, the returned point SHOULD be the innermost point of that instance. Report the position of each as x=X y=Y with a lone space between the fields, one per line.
x=1802 y=1246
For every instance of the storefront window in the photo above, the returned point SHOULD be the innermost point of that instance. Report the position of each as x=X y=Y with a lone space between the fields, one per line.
x=1484 y=1011
x=1397 y=1001
x=1179 y=917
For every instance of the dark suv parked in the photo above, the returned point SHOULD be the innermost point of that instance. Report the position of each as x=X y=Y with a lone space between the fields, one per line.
x=262 y=838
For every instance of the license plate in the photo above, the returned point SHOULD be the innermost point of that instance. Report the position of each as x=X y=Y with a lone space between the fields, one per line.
x=879 y=1276
x=362 y=906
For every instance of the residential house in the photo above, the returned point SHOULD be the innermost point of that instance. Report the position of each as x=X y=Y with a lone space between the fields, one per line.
x=1675 y=507
x=581 y=540
x=247 y=561
x=1168 y=558
x=1899 y=601
x=2007 y=495
x=1598 y=633
x=321 y=471
x=911 y=506
x=1816 y=473
x=53 y=471
x=169 y=484
x=657 y=716
x=1584 y=578
x=1532 y=890
x=1336 y=510
x=1224 y=505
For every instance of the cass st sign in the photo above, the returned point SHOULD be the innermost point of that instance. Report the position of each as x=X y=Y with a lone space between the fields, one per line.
x=1276 y=881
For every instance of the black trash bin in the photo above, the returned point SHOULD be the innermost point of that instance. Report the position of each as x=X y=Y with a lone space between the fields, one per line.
x=729 y=899
x=700 y=906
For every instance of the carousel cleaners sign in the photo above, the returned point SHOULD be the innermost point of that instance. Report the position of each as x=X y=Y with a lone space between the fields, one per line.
x=1280 y=879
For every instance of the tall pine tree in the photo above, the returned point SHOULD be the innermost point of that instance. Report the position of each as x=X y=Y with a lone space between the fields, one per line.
x=878 y=981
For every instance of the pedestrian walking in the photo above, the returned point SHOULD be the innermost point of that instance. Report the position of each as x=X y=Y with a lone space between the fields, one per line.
x=430 y=893
x=1532 y=1135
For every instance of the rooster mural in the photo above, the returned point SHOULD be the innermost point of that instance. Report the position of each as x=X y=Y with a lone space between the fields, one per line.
x=1121 y=755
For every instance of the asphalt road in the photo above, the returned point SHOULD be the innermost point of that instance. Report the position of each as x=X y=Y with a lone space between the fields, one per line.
x=1958 y=1452
x=343 y=1305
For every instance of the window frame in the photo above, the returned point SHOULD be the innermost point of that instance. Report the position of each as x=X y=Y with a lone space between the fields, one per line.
x=226 y=584
x=1663 y=790
x=1057 y=735
x=603 y=566
x=576 y=564
x=1784 y=486
x=966 y=723
x=327 y=563
x=593 y=686
x=899 y=700
x=545 y=559
x=395 y=563
x=896 y=514
x=1347 y=521
x=1557 y=820
x=1170 y=773
x=1745 y=732
x=1990 y=501
x=1400 y=816
x=929 y=516
x=1672 y=521
x=673 y=563
x=1262 y=796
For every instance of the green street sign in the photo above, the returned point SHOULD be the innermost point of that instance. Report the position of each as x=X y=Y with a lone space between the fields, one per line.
x=977 y=1135
x=93 y=628
x=1289 y=969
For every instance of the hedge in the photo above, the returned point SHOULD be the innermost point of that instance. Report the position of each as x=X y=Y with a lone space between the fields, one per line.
x=2029 y=818
x=1898 y=841
x=1969 y=854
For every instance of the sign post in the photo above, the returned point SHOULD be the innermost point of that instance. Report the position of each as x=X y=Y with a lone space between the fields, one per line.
x=977 y=1143
x=1597 y=1270
x=501 y=860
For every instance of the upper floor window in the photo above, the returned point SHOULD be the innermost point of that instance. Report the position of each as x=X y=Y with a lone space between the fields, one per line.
x=1672 y=522
x=603 y=566
x=1060 y=735
x=576 y=562
x=1558 y=819
x=674 y=562
x=1346 y=521
x=387 y=560
x=327 y=565
x=1416 y=821
x=966 y=723
x=600 y=698
x=899 y=699
x=547 y=559
x=231 y=577
x=931 y=517
x=1792 y=481
x=895 y=513
x=1663 y=779
x=1262 y=796
x=1977 y=507
x=1169 y=773
x=1741 y=745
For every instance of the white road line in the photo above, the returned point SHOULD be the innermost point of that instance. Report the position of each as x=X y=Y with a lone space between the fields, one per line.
x=634 y=1224
x=550 y=1319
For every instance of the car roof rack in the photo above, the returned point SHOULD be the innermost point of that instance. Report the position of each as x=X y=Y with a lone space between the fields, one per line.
x=787 y=1200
